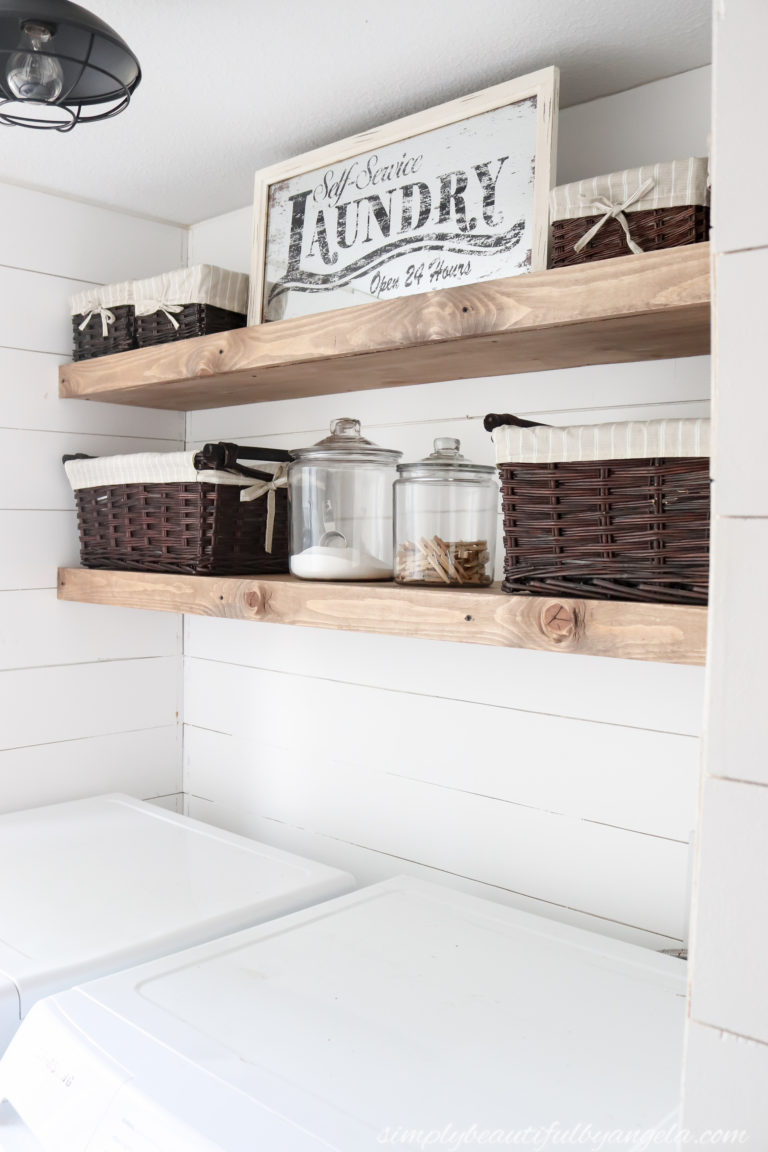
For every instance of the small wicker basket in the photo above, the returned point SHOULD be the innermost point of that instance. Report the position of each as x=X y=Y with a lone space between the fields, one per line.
x=606 y=511
x=639 y=210
x=103 y=321
x=199 y=513
x=194 y=301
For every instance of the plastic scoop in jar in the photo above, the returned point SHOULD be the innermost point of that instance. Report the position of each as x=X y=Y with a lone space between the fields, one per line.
x=333 y=539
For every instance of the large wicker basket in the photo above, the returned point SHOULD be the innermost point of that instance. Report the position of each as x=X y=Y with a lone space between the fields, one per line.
x=605 y=512
x=202 y=514
x=639 y=210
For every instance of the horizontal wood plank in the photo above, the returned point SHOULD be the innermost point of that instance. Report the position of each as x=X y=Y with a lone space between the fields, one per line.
x=33 y=473
x=36 y=632
x=602 y=773
x=369 y=866
x=36 y=405
x=35 y=314
x=611 y=872
x=34 y=542
x=635 y=693
x=665 y=633
x=56 y=705
x=82 y=241
x=143 y=763
x=647 y=307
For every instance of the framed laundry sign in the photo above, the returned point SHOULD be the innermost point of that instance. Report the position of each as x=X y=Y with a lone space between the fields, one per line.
x=453 y=195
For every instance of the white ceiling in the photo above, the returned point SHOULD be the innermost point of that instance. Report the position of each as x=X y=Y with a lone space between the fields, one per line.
x=233 y=85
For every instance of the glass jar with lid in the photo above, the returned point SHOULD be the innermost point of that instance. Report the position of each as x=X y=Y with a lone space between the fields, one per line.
x=340 y=493
x=446 y=516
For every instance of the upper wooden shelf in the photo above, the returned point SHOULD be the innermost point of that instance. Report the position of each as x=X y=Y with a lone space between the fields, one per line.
x=667 y=633
x=646 y=307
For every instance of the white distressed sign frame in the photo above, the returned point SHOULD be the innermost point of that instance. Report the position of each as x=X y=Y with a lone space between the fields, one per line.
x=543 y=85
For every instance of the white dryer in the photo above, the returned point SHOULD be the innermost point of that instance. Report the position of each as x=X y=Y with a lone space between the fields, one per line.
x=92 y=886
x=402 y=1015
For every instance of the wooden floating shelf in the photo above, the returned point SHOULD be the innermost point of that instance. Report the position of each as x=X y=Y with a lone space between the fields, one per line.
x=659 y=632
x=647 y=307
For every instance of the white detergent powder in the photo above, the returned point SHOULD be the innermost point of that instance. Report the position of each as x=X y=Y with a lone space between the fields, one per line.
x=323 y=563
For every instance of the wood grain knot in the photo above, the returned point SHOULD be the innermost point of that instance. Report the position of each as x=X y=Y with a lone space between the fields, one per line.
x=561 y=622
x=254 y=600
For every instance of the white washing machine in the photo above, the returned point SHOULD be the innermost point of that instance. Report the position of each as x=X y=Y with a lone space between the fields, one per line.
x=403 y=1014
x=92 y=886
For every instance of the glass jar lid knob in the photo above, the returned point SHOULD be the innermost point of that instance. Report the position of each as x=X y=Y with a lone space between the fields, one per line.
x=445 y=461
x=446 y=448
x=346 y=427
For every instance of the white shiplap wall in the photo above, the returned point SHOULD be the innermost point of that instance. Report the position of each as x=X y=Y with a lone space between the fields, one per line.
x=561 y=784
x=89 y=696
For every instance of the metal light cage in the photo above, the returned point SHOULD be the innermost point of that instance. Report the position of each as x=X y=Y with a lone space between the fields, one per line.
x=98 y=66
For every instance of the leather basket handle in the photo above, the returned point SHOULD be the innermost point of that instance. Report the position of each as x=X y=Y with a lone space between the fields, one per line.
x=495 y=420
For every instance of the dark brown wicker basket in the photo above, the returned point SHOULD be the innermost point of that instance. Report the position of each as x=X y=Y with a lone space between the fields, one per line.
x=193 y=320
x=607 y=529
x=194 y=528
x=651 y=228
x=90 y=342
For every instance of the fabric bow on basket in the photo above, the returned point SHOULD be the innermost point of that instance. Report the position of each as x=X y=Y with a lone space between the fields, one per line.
x=257 y=490
x=613 y=211
x=150 y=307
x=107 y=318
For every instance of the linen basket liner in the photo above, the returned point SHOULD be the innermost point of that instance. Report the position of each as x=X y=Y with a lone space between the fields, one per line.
x=169 y=293
x=625 y=440
x=162 y=468
x=670 y=185
x=101 y=296
x=200 y=284
x=99 y=301
x=179 y=468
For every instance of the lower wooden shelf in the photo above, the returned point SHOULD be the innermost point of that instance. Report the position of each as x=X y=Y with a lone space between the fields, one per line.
x=665 y=633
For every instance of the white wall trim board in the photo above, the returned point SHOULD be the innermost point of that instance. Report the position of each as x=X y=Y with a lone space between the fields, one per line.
x=726 y=1061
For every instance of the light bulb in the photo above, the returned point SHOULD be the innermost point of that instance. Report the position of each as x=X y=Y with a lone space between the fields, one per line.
x=32 y=75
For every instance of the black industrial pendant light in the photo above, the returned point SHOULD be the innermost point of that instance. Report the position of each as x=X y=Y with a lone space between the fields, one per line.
x=61 y=66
